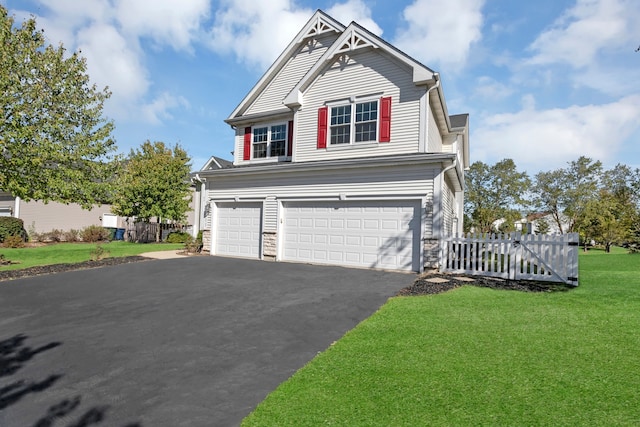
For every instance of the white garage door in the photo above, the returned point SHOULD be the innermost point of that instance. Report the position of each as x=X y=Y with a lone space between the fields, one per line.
x=375 y=234
x=238 y=229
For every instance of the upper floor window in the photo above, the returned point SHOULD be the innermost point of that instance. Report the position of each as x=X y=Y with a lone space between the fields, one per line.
x=269 y=141
x=347 y=128
x=349 y=123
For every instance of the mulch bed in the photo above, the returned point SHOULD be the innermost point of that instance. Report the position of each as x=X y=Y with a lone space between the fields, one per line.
x=59 y=268
x=422 y=285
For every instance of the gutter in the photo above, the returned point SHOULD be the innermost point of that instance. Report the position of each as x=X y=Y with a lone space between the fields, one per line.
x=333 y=164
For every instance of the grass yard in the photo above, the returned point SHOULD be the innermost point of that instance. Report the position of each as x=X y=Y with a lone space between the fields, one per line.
x=476 y=356
x=68 y=253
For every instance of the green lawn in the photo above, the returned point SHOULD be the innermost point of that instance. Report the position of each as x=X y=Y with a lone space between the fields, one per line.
x=477 y=356
x=67 y=253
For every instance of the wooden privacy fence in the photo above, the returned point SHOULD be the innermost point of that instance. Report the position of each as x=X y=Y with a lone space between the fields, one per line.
x=513 y=256
x=145 y=232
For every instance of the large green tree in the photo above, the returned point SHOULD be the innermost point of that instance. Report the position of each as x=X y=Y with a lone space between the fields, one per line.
x=612 y=216
x=494 y=193
x=154 y=183
x=54 y=142
x=566 y=192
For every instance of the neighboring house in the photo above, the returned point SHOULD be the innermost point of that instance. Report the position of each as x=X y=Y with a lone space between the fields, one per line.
x=43 y=217
x=345 y=154
x=532 y=223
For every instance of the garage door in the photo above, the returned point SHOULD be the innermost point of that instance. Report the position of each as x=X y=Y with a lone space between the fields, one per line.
x=238 y=229
x=375 y=234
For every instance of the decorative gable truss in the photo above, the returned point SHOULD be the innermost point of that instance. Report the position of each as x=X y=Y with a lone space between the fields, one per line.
x=353 y=38
x=320 y=23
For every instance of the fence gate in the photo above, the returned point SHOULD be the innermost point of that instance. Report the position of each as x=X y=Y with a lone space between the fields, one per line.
x=514 y=256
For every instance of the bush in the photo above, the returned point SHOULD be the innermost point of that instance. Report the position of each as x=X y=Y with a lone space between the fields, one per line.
x=99 y=253
x=178 y=237
x=54 y=235
x=10 y=226
x=13 y=242
x=94 y=233
x=71 y=235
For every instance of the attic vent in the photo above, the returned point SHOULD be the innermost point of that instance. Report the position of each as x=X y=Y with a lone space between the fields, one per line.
x=355 y=41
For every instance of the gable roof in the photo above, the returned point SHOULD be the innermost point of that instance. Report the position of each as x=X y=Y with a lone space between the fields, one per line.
x=216 y=163
x=320 y=23
x=353 y=38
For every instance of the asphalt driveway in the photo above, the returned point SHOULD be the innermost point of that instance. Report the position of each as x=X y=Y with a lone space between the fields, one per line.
x=182 y=342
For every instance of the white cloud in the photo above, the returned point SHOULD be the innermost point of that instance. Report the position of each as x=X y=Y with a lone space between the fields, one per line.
x=256 y=32
x=441 y=32
x=112 y=62
x=587 y=29
x=108 y=32
x=167 y=22
x=547 y=139
x=157 y=111
x=488 y=87
x=357 y=11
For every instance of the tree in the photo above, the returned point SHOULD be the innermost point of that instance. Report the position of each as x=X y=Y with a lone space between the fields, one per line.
x=612 y=216
x=154 y=183
x=608 y=219
x=495 y=193
x=565 y=193
x=54 y=143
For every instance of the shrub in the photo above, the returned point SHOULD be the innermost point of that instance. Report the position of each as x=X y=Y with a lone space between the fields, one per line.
x=98 y=253
x=10 y=226
x=178 y=237
x=71 y=235
x=94 y=233
x=13 y=242
x=54 y=235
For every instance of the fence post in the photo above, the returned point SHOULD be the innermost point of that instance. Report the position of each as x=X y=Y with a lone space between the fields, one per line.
x=515 y=254
x=572 y=258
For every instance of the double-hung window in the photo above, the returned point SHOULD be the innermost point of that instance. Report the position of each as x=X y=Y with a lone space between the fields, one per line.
x=269 y=141
x=354 y=122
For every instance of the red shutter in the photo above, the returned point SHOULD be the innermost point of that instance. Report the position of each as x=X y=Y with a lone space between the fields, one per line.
x=290 y=139
x=247 y=144
x=385 y=119
x=322 y=127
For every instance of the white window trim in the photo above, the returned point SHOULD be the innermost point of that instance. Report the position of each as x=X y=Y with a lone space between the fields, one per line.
x=269 y=158
x=352 y=136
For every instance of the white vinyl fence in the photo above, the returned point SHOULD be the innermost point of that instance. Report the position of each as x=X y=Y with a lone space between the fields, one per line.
x=513 y=256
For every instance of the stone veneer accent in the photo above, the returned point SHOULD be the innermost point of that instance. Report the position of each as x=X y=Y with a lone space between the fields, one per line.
x=431 y=252
x=269 y=245
x=206 y=240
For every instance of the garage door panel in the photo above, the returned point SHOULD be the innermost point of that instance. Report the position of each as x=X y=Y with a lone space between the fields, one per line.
x=238 y=230
x=379 y=234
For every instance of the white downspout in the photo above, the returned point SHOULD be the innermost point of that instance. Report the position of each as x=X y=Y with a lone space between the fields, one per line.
x=425 y=147
x=198 y=205
x=16 y=208
x=439 y=224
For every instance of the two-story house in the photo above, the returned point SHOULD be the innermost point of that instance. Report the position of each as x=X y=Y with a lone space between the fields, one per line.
x=344 y=154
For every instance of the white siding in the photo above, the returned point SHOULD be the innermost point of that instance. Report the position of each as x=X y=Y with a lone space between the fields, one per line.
x=366 y=73
x=297 y=66
x=434 y=144
x=398 y=182
x=448 y=207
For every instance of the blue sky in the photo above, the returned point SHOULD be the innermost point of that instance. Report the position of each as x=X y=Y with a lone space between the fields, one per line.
x=544 y=82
